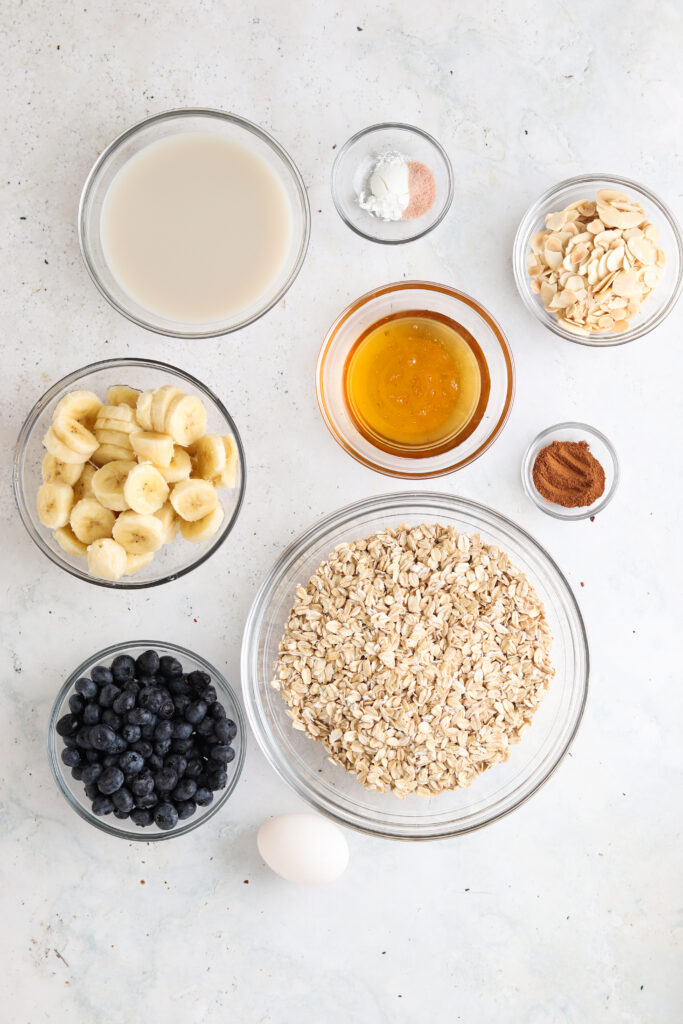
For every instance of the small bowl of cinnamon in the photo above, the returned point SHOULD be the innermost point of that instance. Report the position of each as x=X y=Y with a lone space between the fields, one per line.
x=570 y=471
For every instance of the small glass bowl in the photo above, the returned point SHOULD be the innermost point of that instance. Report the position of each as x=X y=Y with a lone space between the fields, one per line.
x=655 y=308
x=367 y=310
x=173 y=560
x=162 y=126
x=352 y=168
x=600 y=447
x=303 y=764
x=73 y=790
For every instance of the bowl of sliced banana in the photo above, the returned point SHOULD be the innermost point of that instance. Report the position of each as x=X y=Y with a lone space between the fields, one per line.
x=129 y=473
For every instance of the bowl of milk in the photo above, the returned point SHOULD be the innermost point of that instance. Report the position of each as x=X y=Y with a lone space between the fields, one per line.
x=194 y=223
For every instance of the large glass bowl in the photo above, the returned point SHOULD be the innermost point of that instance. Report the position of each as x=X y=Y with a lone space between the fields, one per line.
x=73 y=790
x=303 y=763
x=395 y=298
x=173 y=560
x=655 y=308
x=162 y=126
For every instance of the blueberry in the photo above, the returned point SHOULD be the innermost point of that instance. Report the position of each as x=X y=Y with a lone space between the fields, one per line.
x=102 y=737
x=102 y=805
x=217 y=780
x=143 y=783
x=92 y=713
x=146 y=801
x=163 y=731
x=143 y=681
x=165 y=816
x=120 y=814
x=110 y=718
x=182 y=730
x=186 y=809
x=70 y=741
x=131 y=762
x=182 y=701
x=165 y=779
x=162 y=747
x=131 y=733
x=139 y=716
x=77 y=773
x=167 y=709
x=185 y=790
x=91 y=790
x=124 y=702
x=198 y=681
x=123 y=799
x=177 y=762
x=108 y=695
x=91 y=773
x=132 y=686
x=92 y=756
x=71 y=757
x=143 y=747
x=110 y=780
x=217 y=710
x=68 y=725
x=123 y=668
x=83 y=737
x=86 y=687
x=193 y=769
x=155 y=763
x=196 y=711
x=203 y=797
x=182 y=746
x=205 y=727
x=147 y=731
x=147 y=664
x=110 y=761
x=223 y=753
x=101 y=675
x=76 y=704
x=177 y=685
x=169 y=666
x=140 y=817
x=225 y=729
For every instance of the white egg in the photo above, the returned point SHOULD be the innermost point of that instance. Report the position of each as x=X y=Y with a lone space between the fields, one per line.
x=303 y=848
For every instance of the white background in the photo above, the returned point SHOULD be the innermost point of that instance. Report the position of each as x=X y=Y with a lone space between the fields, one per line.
x=567 y=912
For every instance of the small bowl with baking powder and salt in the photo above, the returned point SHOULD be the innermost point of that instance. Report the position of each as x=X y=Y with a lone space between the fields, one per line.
x=570 y=471
x=392 y=183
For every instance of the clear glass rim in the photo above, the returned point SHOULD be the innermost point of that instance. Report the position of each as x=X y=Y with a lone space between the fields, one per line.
x=403 y=472
x=520 y=248
x=101 y=823
x=18 y=483
x=383 y=126
x=391 y=504
x=168 y=115
x=569 y=515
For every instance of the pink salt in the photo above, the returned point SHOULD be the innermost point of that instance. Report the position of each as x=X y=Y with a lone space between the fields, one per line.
x=422 y=189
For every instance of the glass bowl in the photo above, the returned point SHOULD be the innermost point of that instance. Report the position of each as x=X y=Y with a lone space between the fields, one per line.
x=381 y=302
x=354 y=163
x=600 y=447
x=655 y=308
x=162 y=126
x=172 y=560
x=73 y=790
x=303 y=763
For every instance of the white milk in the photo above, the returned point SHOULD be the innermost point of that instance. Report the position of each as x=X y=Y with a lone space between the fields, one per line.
x=195 y=227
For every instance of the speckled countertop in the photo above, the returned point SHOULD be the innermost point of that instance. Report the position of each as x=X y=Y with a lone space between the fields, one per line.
x=568 y=911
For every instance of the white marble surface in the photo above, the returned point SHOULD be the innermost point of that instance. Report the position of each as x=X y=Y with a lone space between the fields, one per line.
x=568 y=911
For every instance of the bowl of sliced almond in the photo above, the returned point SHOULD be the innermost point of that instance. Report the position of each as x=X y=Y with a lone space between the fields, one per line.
x=598 y=259
x=129 y=473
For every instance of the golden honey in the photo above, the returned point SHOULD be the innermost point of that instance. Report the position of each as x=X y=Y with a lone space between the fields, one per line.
x=416 y=383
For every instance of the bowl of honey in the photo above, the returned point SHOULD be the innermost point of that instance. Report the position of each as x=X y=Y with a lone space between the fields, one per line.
x=415 y=379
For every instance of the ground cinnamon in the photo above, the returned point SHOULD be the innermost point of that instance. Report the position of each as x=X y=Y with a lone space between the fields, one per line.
x=567 y=474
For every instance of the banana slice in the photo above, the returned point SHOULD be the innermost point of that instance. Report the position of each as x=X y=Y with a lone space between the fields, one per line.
x=121 y=394
x=83 y=486
x=91 y=521
x=68 y=540
x=203 y=528
x=56 y=472
x=170 y=522
x=136 y=562
x=193 y=499
x=208 y=456
x=107 y=559
x=117 y=437
x=57 y=447
x=138 y=534
x=108 y=483
x=185 y=419
x=179 y=468
x=109 y=453
x=228 y=475
x=154 y=447
x=74 y=435
x=145 y=489
x=54 y=503
x=161 y=401
x=121 y=426
x=82 y=405
x=143 y=410
x=117 y=413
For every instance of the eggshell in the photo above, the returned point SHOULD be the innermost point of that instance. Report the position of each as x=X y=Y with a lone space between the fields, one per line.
x=303 y=848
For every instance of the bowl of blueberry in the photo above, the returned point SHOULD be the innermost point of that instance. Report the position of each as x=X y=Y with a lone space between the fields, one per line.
x=146 y=740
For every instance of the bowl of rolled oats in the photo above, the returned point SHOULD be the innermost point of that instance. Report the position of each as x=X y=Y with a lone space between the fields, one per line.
x=598 y=259
x=415 y=666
